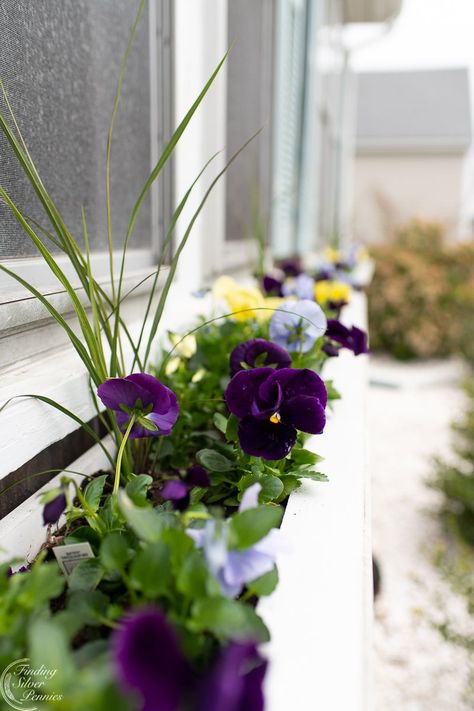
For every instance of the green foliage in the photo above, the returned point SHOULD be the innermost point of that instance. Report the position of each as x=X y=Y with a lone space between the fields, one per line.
x=455 y=479
x=421 y=299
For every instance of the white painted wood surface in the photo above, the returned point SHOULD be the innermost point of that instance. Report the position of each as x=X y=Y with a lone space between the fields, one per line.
x=320 y=614
x=22 y=531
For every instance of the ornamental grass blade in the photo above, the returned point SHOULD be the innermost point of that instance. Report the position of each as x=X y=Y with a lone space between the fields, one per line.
x=153 y=176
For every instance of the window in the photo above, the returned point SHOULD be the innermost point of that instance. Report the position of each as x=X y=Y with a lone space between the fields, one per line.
x=249 y=108
x=59 y=63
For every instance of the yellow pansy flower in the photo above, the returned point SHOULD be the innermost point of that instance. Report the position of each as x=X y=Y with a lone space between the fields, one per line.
x=271 y=303
x=332 y=255
x=185 y=347
x=335 y=291
x=242 y=299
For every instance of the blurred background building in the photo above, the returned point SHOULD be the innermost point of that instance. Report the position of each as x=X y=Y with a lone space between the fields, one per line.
x=413 y=136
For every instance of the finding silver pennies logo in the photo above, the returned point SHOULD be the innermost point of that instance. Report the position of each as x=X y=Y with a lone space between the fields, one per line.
x=24 y=687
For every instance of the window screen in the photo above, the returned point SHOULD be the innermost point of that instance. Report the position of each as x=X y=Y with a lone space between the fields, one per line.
x=59 y=61
x=249 y=108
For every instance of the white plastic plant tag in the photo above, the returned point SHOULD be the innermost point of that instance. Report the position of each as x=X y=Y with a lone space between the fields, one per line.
x=71 y=554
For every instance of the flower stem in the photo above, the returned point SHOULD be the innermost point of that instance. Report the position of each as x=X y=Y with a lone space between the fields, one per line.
x=120 y=453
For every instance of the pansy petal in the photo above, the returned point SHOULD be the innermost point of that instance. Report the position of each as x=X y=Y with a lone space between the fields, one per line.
x=359 y=338
x=299 y=381
x=249 y=351
x=165 y=421
x=244 y=566
x=236 y=682
x=305 y=413
x=173 y=490
x=250 y=497
x=262 y=438
x=149 y=661
x=120 y=391
x=54 y=509
x=158 y=394
x=197 y=476
x=243 y=388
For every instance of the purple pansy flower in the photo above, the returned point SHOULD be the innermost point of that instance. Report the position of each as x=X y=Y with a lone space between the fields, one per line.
x=301 y=286
x=248 y=352
x=297 y=325
x=325 y=274
x=148 y=660
x=177 y=490
x=54 y=509
x=272 y=286
x=235 y=683
x=352 y=338
x=22 y=569
x=154 y=405
x=233 y=569
x=291 y=267
x=272 y=405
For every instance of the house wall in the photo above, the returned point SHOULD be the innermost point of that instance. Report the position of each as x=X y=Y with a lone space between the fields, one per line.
x=393 y=189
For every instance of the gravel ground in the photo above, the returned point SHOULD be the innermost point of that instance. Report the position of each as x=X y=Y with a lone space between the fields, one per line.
x=410 y=410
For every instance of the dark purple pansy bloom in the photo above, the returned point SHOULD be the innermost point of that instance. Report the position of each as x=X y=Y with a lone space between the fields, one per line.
x=197 y=476
x=272 y=286
x=148 y=660
x=23 y=569
x=272 y=405
x=325 y=274
x=154 y=405
x=54 y=509
x=352 y=338
x=235 y=683
x=291 y=267
x=177 y=490
x=267 y=353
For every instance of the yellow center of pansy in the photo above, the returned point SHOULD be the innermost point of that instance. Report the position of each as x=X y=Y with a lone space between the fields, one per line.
x=275 y=418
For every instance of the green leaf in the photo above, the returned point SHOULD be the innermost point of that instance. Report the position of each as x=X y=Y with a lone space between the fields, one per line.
x=44 y=582
x=227 y=619
x=146 y=522
x=91 y=606
x=272 y=488
x=82 y=534
x=304 y=456
x=231 y=432
x=86 y=575
x=249 y=527
x=93 y=491
x=115 y=552
x=220 y=422
x=214 y=461
x=265 y=584
x=137 y=488
x=48 y=648
x=290 y=483
x=194 y=580
x=150 y=571
x=308 y=474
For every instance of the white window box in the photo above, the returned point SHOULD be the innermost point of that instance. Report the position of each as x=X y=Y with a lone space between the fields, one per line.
x=320 y=614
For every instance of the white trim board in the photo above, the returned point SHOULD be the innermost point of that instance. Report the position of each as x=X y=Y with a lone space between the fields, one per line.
x=322 y=607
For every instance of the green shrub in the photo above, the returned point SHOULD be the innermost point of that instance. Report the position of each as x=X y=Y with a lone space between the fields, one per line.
x=421 y=301
x=455 y=479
